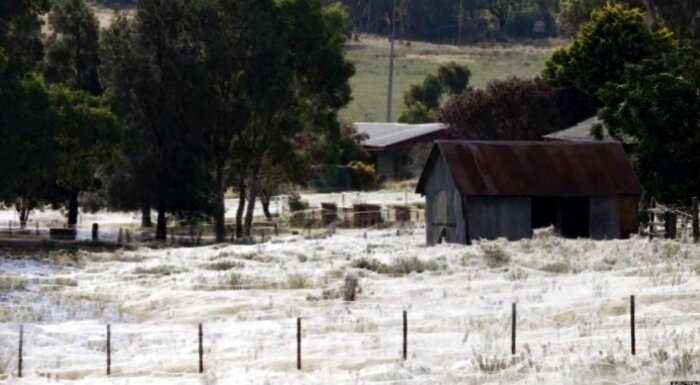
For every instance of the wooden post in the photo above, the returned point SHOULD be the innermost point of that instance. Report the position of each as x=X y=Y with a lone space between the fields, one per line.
x=9 y=227
x=405 y=335
x=513 y=329
x=201 y=350
x=109 y=350
x=632 y=326
x=95 y=232
x=299 y=343
x=670 y=221
x=21 y=345
x=696 y=220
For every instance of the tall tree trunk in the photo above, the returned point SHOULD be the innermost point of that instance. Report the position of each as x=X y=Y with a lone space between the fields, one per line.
x=23 y=208
x=73 y=210
x=250 y=210
x=161 y=226
x=220 y=209
x=265 y=198
x=241 y=208
x=146 y=216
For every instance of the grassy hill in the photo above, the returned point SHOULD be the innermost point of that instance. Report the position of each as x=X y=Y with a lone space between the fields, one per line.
x=415 y=60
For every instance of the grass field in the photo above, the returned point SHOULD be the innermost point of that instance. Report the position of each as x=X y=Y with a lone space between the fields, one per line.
x=415 y=61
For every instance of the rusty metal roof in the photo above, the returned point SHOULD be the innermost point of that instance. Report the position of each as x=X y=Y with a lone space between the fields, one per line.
x=535 y=168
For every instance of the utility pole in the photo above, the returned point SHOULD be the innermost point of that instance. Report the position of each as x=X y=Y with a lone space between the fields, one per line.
x=461 y=21
x=390 y=96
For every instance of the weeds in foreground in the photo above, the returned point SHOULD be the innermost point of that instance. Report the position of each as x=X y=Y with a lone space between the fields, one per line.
x=495 y=256
x=161 y=270
x=8 y=284
x=488 y=364
x=223 y=266
x=298 y=281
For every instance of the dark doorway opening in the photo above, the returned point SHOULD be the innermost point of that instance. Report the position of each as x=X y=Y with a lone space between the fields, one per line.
x=545 y=212
x=569 y=216
x=575 y=217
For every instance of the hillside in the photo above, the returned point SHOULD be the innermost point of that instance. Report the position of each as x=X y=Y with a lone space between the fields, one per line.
x=415 y=60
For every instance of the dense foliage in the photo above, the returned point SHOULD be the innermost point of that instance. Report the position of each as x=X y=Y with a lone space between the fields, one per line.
x=614 y=37
x=513 y=109
x=655 y=110
x=423 y=100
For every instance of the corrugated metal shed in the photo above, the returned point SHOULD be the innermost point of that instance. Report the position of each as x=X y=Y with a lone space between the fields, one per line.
x=574 y=169
x=581 y=132
x=382 y=135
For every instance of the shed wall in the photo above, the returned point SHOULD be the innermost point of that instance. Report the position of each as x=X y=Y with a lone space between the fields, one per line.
x=496 y=217
x=629 y=216
x=605 y=218
x=386 y=164
x=443 y=207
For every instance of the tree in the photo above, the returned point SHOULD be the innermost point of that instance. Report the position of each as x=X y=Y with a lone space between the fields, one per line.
x=514 y=109
x=681 y=16
x=85 y=137
x=300 y=90
x=129 y=182
x=24 y=123
x=423 y=100
x=614 y=37
x=28 y=151
x=166 y=101
x=73 y=47
x=655 y=111
x=576 y=13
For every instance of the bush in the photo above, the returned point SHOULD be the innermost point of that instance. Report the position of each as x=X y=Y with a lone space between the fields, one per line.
x=398 y=267
x=298 y=281
x=363 y=176
x=352 y=283
x=495 y=256
x=296 y=203
x=557 y=268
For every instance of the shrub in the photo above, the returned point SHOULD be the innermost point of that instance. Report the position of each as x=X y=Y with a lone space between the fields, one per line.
x=352 y=283
x=495 y=256
x=298 y=281
x=11 y=284
x=296 y=203
x=234 y=280
x=491 y=364
x=557 y=268
x=223 y=266
x=157 y=270
x=363 y=176
x=697 y=269
x=399 y=266
x=371 y=264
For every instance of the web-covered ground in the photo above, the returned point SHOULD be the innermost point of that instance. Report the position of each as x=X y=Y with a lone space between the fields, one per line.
x=572 y=296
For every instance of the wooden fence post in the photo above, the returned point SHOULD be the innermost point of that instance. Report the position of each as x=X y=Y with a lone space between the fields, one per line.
x=299 y=343
x=95 y=232
x=405 y=335
x=696 y=220
x=632 y=326
x=21 y=345
x=109 y=350
x=201 y=349
x=671 y=224
x=513 y=330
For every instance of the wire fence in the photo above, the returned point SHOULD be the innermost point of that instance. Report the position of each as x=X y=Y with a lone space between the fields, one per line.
x=307 y=341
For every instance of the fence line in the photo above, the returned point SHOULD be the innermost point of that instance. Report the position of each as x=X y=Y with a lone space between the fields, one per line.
x=299 y=337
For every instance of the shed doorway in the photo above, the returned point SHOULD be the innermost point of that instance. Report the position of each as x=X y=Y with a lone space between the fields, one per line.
x=569 y=216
